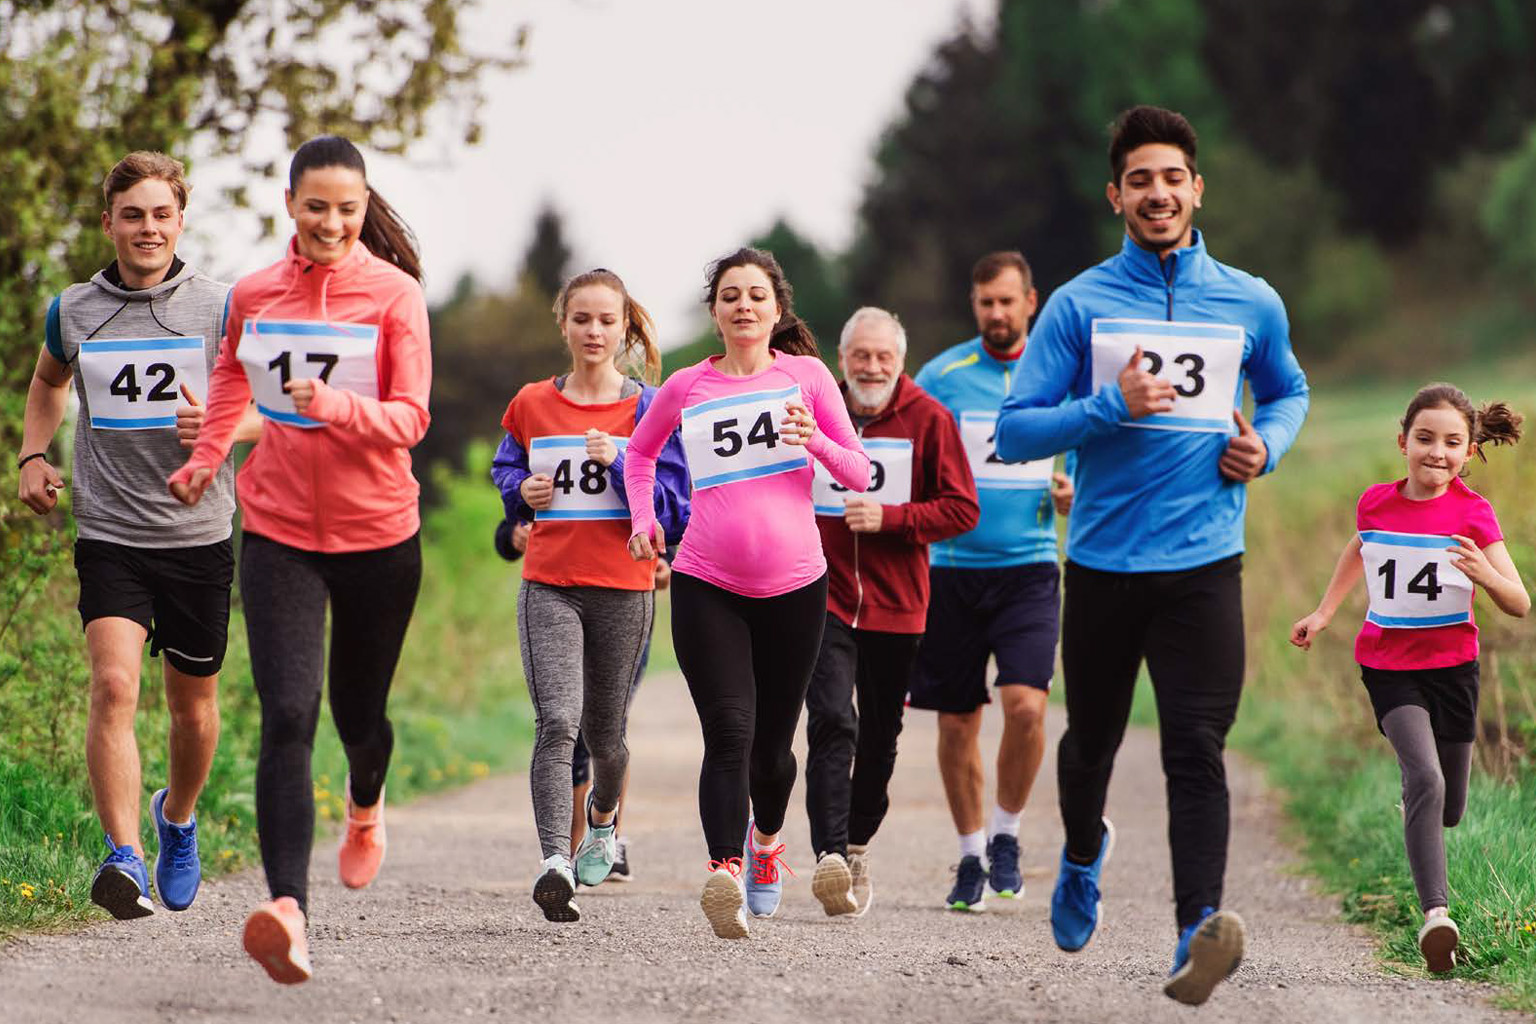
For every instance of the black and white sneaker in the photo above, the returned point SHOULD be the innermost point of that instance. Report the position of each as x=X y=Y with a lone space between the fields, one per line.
x=620 y=872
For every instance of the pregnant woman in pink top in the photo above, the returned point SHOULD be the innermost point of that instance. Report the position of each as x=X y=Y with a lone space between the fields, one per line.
x=749 y=590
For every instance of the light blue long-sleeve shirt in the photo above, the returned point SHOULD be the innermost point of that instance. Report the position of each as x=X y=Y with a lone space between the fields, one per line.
x=1151 y=500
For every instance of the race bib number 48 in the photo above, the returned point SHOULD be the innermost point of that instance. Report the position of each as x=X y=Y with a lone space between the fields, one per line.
x=1411 y=581
x=273 y=352
x=1203 y=362
x=583 y=488
x=728 y=440
x=135 y=383
x=890 y=477
x=978 y=432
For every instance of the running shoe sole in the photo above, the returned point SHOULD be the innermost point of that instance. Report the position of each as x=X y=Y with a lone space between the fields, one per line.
x=1215 y=951
x=268 y=942
x=832 y=885
x=724 y=905
x=116 y=892
x=970 y=908
x=554 y=895
x=1438 y=940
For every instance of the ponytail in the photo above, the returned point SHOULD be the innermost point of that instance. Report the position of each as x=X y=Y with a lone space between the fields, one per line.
x=640 y=355
x=790 y=334
x=793 y=337
x=1497 y=424
x=384 y=233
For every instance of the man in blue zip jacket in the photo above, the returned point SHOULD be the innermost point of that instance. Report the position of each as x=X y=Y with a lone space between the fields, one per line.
x=1151 y=348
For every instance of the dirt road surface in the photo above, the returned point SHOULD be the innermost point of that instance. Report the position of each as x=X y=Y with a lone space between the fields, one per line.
x=449 y=933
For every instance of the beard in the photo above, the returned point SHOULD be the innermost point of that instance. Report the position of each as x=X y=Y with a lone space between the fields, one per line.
x=1001 y=338
x=871 y=396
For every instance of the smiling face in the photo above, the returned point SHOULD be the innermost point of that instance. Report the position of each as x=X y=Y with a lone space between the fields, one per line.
x=871 y=362
x=745 y=309
x=1437 y=446
x=144 y=224
x=594 y=325
x=1157 y=195
x=327 y=208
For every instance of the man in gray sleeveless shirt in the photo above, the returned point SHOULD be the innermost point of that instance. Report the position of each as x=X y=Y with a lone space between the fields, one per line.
x=141 y=338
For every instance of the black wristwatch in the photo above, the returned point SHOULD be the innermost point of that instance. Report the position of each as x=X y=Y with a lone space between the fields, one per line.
x=28 y=458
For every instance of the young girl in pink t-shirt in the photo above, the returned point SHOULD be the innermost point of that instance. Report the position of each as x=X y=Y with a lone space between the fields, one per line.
x=1424 y=544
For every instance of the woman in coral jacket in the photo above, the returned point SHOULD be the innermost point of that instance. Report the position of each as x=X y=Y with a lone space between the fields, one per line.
x=332 y=343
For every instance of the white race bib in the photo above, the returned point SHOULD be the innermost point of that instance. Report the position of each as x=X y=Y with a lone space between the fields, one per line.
x=1411 y=581
x=583 y=489
x=978 y=432
x=274 y=352
x=135 y=383
x=728 y=440
x=890 y=477
x=1203 y=362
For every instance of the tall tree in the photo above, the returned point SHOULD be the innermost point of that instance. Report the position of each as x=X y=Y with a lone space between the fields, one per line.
x=548 y=257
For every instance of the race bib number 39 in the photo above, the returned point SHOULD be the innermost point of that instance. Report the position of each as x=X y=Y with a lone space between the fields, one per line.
x=135 y=383
x=583 y=488
x=1203 y=362
x=1411 y=581
x=274 y=352
x=890 y=477
x=978 y=432
x=728 y=440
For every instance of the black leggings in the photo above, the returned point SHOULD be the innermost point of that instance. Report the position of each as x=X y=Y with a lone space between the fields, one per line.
x=748 y=661
x=284 y=591
x=1189 y=628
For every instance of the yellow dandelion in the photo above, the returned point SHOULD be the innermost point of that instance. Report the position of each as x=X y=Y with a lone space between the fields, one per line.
x=325 y=811
x=59 y=836
x=321 y=793
x=479 y=769
x=27 y=892
x=226 y=854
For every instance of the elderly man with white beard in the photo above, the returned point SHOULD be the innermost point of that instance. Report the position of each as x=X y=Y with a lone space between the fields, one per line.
x=876 y=543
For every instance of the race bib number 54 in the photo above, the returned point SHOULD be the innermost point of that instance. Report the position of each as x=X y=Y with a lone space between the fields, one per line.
x=1411 y=581
x=135 y=383
x=728 y=440
x=1203 y=362
x=273 y=352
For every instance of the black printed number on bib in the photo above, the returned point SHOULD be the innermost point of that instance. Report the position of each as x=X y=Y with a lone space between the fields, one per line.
x=735 y=438
x=274 y=353
x=593 y=478
x=876 y=479
x=1193 y=383
x=125 y=385
x=727 y=431
x=1412 y=580
x=135 y=383
x=581 y=484
x=283 y=363
x=890 y=477
x=1424 y=581
x=1202 y=362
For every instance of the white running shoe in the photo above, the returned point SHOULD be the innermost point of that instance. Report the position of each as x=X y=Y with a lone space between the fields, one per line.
x=555 y=890
x=832 y=884
x=1438 y=940
x=863 y=888
x=724 y=899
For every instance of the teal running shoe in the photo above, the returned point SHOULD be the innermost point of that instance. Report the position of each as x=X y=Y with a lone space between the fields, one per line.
x=597 y=850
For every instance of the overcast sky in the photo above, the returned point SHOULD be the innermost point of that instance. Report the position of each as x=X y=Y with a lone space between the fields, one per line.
x=667 y=132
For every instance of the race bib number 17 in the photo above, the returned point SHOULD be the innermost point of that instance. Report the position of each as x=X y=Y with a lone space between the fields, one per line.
x=1203 y=362
x=273 y=352
x=135 y=383
x=728 y=440
x=1411 y=581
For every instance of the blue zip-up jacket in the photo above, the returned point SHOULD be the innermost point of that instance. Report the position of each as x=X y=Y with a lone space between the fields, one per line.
x=1017 y=527
x=674 y=488
x=1150 y=500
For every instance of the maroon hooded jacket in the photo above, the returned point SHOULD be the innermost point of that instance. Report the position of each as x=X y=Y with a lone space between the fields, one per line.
x=879 y=581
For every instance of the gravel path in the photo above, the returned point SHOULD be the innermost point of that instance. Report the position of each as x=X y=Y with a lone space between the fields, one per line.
x=448 y=932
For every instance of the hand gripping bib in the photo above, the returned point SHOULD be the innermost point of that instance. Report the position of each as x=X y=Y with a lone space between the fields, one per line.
x=1411 y=581
x=273 y=352
x=728 y=440
x=135 y=383
x=978 y=432
x=1203 y=362
x=890 y=477
x=583 y=488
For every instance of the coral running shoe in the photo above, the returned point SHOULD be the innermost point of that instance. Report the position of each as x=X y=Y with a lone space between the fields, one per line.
x=362 y=849
x=274 y=938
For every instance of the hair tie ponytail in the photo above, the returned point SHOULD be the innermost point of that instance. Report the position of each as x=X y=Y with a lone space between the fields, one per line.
x=791 y=335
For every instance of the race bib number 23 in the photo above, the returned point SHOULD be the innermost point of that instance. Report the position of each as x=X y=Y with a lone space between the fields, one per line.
x=1203 y=362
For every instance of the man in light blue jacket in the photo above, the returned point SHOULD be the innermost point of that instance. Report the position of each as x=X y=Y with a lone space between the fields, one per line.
x=1150 y=349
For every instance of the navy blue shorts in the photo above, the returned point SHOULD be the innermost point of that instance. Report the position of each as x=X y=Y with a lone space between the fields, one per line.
x=1010 y=613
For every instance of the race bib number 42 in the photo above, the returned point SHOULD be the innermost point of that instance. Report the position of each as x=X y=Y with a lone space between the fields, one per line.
x=1203 y=362
x=978 y=432
x=1411 y=581
x=135 y=383
x=583 y=487
x=273 y=352
x=890 y=477
x=728 y=440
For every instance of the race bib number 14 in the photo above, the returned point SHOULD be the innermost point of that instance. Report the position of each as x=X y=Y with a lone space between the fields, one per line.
x=728 y=440
x=1203 y=362
x=273 y=352
x=135 y=383
x=1411 y=581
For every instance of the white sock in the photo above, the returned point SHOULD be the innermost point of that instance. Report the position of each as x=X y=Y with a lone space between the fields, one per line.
x=1004 y=823
x=973 y=844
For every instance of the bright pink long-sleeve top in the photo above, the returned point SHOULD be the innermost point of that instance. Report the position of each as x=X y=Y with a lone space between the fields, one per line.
x=752 y=529
x=346 y=484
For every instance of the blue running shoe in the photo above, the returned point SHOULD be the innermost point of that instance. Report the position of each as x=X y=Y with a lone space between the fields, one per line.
x=1075 y=905
x=1003 y=875
x=121 y=884
x=1208 y=952
x=178 y=871
x=763 y=882
x=970 y=886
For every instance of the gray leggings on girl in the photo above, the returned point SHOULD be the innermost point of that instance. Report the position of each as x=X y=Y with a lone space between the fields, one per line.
x=581 y=647
x=1435 y=775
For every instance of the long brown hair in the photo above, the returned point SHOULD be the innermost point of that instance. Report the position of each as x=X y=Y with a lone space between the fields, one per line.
x=1495 y=423
x=384 y=232
x=639 y=351
x=790 y=334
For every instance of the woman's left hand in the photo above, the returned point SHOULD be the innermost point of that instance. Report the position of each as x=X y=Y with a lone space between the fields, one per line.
x=600 y=447
x=1472 y=561
x=798 y=427
x=302 y=391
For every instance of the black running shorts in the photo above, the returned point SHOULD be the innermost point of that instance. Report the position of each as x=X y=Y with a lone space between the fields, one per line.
x=1448 y=694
